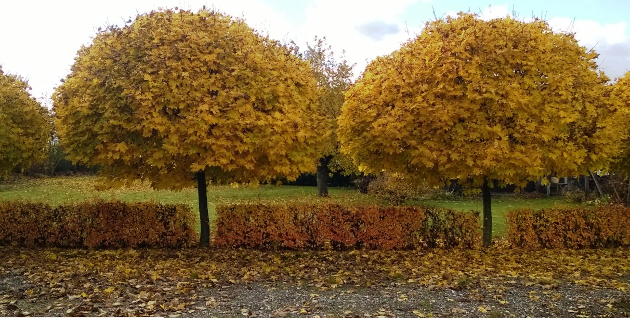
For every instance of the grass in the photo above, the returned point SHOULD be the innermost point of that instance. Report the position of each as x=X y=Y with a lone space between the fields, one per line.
x=501 y=204
x=60 y=190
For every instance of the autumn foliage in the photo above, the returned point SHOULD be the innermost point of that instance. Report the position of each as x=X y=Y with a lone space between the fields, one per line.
x=177 y=93
x=621 y=95
x=333 y=79
x=97 y=224
x=570 y=227
x=478 y=101
x=337 y=226
x=396 y=189
x=25 y=126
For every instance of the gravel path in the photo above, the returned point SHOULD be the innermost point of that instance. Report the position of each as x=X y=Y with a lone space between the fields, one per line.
x=258 y=300
x=201 y=283
x=283 y=300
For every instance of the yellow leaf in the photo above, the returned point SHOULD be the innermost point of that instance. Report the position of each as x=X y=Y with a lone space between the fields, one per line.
x=165 y=116
x=436 y=111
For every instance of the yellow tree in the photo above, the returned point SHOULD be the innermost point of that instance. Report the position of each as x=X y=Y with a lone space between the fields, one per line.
x=333 y=79
x=178 y=95
x=621 y=95
x=25 y=126
x=479 y=101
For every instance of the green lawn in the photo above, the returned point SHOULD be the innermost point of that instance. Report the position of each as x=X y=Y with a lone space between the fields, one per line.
x=500 y=205
x=59 y=190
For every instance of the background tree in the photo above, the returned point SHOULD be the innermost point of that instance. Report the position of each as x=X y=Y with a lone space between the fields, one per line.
x=479 y=101
x=176 y=95
x=621 y=165
x=25 y=125
x=333 y=78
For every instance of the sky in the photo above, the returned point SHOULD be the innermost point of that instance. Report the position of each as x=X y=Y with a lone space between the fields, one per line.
x=39 y=38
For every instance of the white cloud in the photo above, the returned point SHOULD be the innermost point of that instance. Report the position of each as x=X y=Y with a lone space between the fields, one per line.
x=43 y=40
x=610 y=40
x=592 y=32
x=340 y=22
x=258 y=14
x=376 y=30
x=42 y=37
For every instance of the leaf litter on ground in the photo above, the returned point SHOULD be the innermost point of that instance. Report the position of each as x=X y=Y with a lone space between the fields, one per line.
x=497 y=282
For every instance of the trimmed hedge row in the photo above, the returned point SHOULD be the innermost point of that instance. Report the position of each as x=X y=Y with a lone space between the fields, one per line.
x=97 y=224
x=330 y=225
x=576 y=227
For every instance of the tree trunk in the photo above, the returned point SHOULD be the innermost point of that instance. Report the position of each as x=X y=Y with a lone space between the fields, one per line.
x=587 y=188
x=487 y=215
x=204 y=239
x=599 y=189
x=628 y=196
x=617 y=196
x=322 y=176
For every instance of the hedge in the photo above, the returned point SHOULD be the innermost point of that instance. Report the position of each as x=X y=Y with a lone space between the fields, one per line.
x=294 y=226
x=97 y=224
x=570 y=227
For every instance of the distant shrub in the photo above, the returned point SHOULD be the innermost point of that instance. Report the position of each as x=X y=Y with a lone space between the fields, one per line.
x=533 y=195
x=571 y=227
x=396 y=189
x=97 y=224
x=362 y=183
x=579 y=196
x=446 y=195
x=340 y=227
